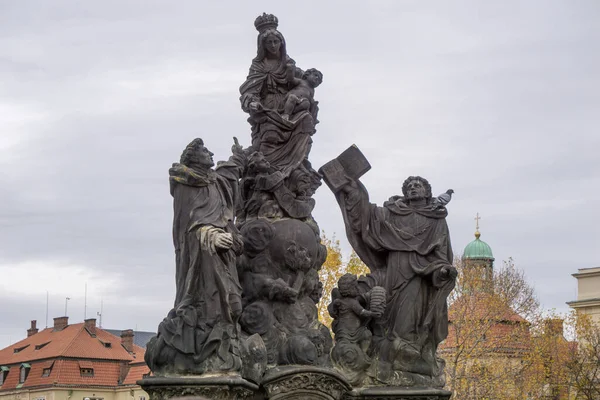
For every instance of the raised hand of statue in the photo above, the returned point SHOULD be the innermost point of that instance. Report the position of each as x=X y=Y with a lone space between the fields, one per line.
x=350 y=186
x=236 y=148
x=224 y=241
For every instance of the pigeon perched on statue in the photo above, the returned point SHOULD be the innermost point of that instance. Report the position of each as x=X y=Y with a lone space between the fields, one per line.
x=445 y=198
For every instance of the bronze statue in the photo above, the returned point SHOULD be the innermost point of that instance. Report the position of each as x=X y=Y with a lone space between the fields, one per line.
x=406 y=245
x=244 y=323
x=200 y=333
x=281 y=132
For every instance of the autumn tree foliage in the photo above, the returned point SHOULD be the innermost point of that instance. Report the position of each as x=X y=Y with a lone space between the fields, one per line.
x=489 y=343
x=547 y=372
x=330 y=272
x=501 y=344
x=333 y=268
x=583 y=362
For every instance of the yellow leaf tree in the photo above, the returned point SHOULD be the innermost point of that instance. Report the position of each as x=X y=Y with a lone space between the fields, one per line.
x=331 y=271
x=584 y=359
x=329 y=274
x=356 y=266
x=489 y=340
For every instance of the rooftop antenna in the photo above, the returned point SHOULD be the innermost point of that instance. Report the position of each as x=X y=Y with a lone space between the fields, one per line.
x=66 y=303
x=47 y=297
x=85 y=303
x=100 y=313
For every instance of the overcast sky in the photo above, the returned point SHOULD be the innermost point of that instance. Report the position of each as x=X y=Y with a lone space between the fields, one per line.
x=498 y=100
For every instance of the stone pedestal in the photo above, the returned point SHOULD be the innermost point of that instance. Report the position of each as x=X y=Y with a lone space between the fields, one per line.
x=396 y=393
x=216 y=387
x=304 y=383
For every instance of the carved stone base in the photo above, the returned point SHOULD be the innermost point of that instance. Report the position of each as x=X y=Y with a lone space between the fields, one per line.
x=396 y=393
x=304 y=383
x=215 y=387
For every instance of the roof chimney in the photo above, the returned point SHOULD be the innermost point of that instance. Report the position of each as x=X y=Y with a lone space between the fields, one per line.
x=60 y=323
x=90 y=326
x=127 y=340
x=124 y=368
x=33 y=330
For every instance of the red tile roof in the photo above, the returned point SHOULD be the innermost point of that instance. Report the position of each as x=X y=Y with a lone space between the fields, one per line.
x=105 y=373
x=136 y=373
x=483 y=321
x=482 y=306
x=85 y=364
x=66 y=352
x=73 y=341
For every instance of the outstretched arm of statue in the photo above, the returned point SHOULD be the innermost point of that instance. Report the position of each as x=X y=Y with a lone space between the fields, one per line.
x=233 y=168
x=214 y=239
x=356 y=203
x=368 y=314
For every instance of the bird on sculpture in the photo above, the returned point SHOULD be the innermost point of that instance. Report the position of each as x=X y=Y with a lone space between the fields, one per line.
x=445 y=198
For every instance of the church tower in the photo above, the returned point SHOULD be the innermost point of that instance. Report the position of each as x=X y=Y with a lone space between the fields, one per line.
x=478 y=255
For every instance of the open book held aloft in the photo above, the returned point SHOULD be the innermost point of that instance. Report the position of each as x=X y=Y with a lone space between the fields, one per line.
x=351 y=164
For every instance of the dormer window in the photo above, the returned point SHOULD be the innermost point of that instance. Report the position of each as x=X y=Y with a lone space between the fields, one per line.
x=39 y=346
x=20 y=349
x=86 y=372
x=86 y=369
x=108 y=345
x=3 y=372
x=47 y=368
x=24 y=372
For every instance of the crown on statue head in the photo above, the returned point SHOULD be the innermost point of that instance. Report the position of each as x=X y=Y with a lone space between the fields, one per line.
x=265 y=21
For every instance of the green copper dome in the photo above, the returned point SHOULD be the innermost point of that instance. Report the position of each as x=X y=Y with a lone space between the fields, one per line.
x=478 y=250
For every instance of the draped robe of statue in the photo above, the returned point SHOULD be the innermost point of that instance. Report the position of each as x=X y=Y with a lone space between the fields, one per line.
x=202 y=324
x=405 y=248
x=284 y=143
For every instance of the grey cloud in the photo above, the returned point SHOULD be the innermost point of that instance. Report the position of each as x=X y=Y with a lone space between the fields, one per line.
x=496 y=100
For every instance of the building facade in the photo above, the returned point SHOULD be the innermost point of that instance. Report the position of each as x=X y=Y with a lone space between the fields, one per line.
x=588 y=293
x=72 y=362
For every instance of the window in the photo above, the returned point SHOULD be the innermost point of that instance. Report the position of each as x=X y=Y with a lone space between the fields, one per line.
x=39 y=346
x=108 y=345
x=3 y=373
x=47 y=368
x=19 y=349
x=86 y=368
x=24 y=372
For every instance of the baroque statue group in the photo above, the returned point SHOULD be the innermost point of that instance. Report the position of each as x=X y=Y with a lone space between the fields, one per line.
x=248 y=254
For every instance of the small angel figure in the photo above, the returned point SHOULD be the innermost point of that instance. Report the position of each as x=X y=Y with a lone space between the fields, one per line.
x=301 y=97
x=349 y=315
